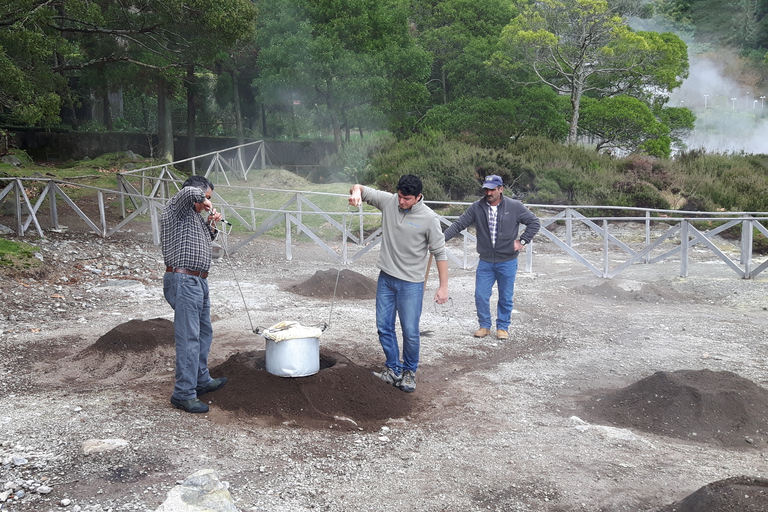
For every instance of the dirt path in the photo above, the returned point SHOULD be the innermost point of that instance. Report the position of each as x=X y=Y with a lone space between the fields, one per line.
x=515 y=426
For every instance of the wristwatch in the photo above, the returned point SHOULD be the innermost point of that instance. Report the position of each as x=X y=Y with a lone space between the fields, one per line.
x=523 y=242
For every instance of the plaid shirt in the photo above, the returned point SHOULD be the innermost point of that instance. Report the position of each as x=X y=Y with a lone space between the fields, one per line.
x=185 y=236
x=492 y=217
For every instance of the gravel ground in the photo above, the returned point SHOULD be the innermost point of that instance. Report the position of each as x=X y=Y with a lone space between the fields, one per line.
x=495 y=425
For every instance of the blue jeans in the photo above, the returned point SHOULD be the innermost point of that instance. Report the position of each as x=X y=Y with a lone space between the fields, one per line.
x=487 y=274
x=398 y=298
x=188 y=296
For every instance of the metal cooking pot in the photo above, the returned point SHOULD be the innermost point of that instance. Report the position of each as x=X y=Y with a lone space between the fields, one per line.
x=296 y=357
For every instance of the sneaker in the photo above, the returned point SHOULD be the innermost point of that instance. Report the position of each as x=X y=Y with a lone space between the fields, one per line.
x=194 y=405
x=389 y=376
x=501 y=334
x=408 y=382
x=482 y=332
x=213 y=385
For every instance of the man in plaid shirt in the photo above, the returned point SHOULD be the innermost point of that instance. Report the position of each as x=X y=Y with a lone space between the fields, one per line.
x=497 y=220
x=186 y=242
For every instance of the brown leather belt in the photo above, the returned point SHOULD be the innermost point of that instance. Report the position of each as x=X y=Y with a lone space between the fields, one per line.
x=195 y=273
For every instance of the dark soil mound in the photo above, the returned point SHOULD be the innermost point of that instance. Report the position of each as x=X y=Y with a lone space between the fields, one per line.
x=137 y=336
x=740 y=493
x=698 y=405
x=341 y=393
x=351 y=285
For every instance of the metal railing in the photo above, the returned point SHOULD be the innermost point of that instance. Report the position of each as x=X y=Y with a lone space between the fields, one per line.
x=341 y=233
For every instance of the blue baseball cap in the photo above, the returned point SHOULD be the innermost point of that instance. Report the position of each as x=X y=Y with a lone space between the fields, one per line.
x=493 y=181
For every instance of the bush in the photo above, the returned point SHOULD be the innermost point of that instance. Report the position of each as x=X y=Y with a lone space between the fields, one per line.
x=539 y=170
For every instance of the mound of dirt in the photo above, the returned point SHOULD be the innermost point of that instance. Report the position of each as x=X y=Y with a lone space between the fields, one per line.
x=341 y=393
x=633 y=291
x=698 y=405
x=280 y=178
x=740 y=493
x=351 y=285
x=137 y=336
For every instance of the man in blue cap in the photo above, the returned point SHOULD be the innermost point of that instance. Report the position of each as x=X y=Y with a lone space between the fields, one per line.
x=497 y=221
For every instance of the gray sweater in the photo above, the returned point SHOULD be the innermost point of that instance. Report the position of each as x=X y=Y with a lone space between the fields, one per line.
x=511 y=213
x=406 y=236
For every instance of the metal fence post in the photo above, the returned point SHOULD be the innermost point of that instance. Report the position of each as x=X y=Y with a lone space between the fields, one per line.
x=253 y=212
x=647 y=257
x=18 y=190
x=747 y=231
x=605 y=248
x=362 y=226
x=52 y=201
x=288 y=253
x=344 y=232
x=102 y=214
x=154 y=222
x=684 y=248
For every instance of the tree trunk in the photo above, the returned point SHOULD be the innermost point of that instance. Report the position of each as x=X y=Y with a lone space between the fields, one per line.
x=347 y=130
x=191 y=112
x=576 y=89
x=164 y=126
x=106 y=110
x=334 y=119
x=238 y=113
x=263 y=121
x=445 y=86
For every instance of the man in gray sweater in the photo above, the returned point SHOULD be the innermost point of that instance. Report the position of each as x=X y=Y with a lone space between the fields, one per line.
x=410 y=229
x=497 y=220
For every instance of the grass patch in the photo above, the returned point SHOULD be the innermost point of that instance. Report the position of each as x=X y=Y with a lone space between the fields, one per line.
x=99 y=172
x=18 y=256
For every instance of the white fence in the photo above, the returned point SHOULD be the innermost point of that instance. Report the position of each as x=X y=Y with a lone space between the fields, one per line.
x=341 y=233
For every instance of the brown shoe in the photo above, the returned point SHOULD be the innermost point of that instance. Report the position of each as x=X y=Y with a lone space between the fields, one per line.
x=501 y=334
x=482 y=332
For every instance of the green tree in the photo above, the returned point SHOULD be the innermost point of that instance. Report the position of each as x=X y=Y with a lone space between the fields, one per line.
x=30 y=92
x=461 y=35
x=57 y=40
x=626 y=123
x=584 y=47
x=680 y=121
x=338 y=56
x=537 y=111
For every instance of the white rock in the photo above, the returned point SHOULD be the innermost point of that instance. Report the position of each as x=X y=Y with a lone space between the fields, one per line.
x=201 y=491
x=103 y=445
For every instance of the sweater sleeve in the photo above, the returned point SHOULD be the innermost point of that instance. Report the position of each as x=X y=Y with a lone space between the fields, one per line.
x=375 y=198
x=531 y=221
x=463 y=222
x=436 y=240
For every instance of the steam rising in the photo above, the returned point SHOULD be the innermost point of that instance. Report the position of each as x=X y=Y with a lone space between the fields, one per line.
x=729 y=118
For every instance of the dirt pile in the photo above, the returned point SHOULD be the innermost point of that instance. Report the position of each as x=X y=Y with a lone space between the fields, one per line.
x=137 y=336
x=341 y=393
x=741 y=493
x=717 y=407
x=346 y=284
